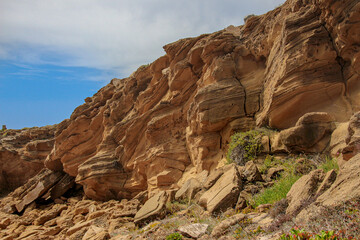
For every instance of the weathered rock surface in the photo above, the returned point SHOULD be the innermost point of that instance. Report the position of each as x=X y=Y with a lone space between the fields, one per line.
x=194 y=231
x=251 y=172
x=154 y=207
x=303 y=190
x=176 y=115
x=346 y=185
x=223 y=226
x=311 y=133
x=188 y=189
x=22 y=154
x=224 y=193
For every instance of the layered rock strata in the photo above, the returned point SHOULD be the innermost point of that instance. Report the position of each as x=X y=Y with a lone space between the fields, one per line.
x=22 y=154
x=176 y=115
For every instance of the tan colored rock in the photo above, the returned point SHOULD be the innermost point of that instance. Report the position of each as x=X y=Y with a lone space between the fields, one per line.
x=329 y=179
x=154 y=207
x=48 y=215
x=22 y=154
x=6 y=219
x=126 y=209
x=274 y=172
x=338 y=137
x=223 y=226
x=303 y=190
x=96 y=233
x=346 y=185
x=79 y=226
x=213 y=177
x=37 y=187
x=251 y=172
x=188 y=189
x=195 y=230
x=176 y=115
x=352 y=138
x=224 y=193
x=311 y=133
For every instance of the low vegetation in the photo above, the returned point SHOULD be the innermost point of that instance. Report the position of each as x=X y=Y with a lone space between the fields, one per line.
x=341 y=222
x=174 y=236
x=245 y=146
x=277 y=192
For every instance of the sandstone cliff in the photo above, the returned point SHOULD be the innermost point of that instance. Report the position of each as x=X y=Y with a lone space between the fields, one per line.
x=162 y=134
x=173 y=118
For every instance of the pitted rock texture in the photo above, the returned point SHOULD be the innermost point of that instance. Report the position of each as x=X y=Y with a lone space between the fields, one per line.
x=176 y=115
x=22 y=154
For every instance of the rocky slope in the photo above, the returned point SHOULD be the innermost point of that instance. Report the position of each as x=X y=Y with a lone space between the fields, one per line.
x=173 y=118
x=163 y=133
x=22 y=154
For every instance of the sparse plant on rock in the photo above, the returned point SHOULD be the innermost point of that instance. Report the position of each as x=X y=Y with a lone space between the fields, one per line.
x=245 y=146
x=174 y=236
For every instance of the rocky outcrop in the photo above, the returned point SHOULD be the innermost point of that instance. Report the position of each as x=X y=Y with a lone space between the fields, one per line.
x=153 y=208
x=303 y=190
x=176 y=115
x=224 y=193
x=162 y=133
x=311 y=133
x=22 y=154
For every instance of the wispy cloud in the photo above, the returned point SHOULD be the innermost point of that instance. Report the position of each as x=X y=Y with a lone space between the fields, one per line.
x=109 y=34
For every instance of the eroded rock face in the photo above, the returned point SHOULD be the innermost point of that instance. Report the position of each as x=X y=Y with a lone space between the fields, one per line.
x=224 y=193
x=176 y=115
x=22 y=154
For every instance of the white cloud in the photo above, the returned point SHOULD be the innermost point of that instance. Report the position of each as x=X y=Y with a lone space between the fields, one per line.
x=110 y=34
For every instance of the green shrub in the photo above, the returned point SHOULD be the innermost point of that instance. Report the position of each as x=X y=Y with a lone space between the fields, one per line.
x=269 y=162
x=244 y=146
x=277 y=192
x=174 y=236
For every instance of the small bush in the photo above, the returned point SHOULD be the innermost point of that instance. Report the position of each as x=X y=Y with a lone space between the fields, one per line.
x=174 y=236
x=269 y=162
x=277 y=192
x=244 y=146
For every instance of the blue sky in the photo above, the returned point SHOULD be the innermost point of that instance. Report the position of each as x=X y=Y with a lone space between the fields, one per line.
x=54 y=54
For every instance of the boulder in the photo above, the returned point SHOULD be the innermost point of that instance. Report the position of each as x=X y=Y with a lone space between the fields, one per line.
x=251 y=172
x=213 y=177
x=311 y=133
x=194 y=230
x=274 y=173
x=188 y=189
x=153 y=208
x=224 y=193
x=38 y=186
x=346 y=185
x=303 y=190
